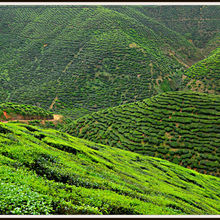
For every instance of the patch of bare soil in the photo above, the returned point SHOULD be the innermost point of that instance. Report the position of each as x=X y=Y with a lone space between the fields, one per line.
x=20 y=118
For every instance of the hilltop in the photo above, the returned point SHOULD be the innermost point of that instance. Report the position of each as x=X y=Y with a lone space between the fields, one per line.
x=182 y=127
x=80 y=59
x=55 y=173
x=204 y=76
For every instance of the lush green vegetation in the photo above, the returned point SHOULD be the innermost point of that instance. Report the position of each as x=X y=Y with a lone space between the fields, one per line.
x=204 y=76
x=182 y=127
x=118 y=70
x=85 y=58
x=44 y=171
x=198 y=24
x=13 y=111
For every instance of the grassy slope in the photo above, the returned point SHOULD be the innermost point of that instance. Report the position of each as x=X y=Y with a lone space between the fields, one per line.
x=204 y=76
x=50 y=172
x=81 y=54
x=14 y=110
x=182 y=127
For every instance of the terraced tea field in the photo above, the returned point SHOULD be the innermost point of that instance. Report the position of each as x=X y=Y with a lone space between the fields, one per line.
x=109 y=110
x=204 y=76
x=182 y=127
x=199 y=24
x=87 y=57
x=46 y=172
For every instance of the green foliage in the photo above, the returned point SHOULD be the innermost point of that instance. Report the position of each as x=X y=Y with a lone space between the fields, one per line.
x=38 y=177
x=205 y=73
x=198 y=23
x=21 y=200
x=77 y=60
x=86 y=58
x=182 y=124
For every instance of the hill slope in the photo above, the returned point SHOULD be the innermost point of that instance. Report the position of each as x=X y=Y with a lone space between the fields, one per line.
x=182 y=127
x=199 y=24
x=204 y=76
x=85 y=58
x=50 y=172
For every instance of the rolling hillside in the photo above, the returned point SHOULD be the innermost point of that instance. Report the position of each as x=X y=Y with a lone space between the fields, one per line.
x=204 y=76
x=79 y=59
x=109 y=110
x=199 y=24
x=182 y=127
x=44 y=171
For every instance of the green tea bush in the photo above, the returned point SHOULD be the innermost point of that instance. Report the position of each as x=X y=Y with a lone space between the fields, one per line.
x=21 y=200
x=189 y=133
x=67 y=208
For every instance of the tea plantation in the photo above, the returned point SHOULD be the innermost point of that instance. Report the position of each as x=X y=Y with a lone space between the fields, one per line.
x=80 y=59
x=47 y=172
x=119 y=110
x=182 y=127
x=204 y=76
x=199 y=24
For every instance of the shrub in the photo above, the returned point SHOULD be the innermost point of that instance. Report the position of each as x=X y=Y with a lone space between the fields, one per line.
x=67 y=208
x=21 y=200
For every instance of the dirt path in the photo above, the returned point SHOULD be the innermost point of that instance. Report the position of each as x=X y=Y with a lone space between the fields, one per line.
x=56 y=118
